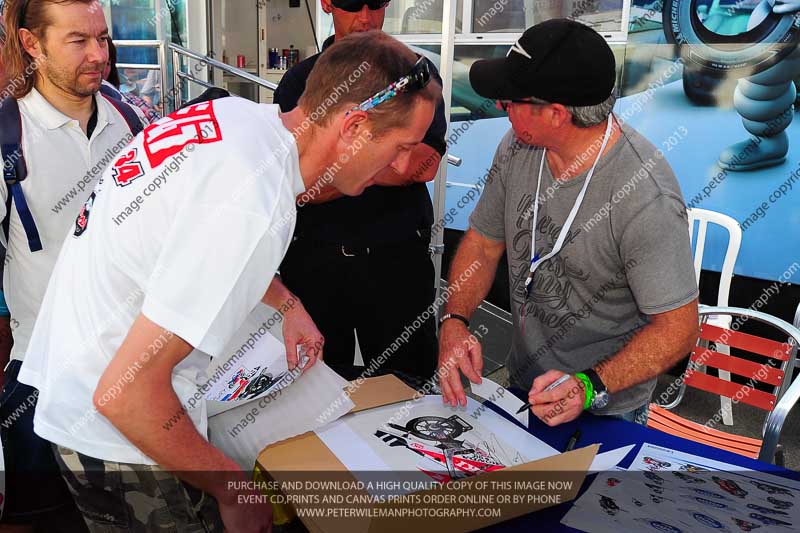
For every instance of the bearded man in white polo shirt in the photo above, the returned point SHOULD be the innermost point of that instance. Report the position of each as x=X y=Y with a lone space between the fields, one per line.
x=53 y=63
x=176 y=246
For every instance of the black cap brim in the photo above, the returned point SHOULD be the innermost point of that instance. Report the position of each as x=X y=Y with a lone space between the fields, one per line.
x=490 y=78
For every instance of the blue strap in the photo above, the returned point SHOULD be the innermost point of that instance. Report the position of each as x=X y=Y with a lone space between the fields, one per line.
x=110 y=91
x=124 y=109
x=14 y=167
x=25 y=216
x=15 y=171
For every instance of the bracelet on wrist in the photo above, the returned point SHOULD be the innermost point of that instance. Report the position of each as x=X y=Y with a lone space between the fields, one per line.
x=448 y=316
x=588 y=388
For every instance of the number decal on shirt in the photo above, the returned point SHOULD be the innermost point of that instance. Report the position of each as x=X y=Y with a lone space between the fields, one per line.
x=127 y=169
x=195 y=124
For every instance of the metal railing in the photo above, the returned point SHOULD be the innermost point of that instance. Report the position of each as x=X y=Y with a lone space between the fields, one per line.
x=161 y=67
x=178 y=74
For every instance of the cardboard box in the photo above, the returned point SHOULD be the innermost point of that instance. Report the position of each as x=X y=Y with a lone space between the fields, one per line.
x=297 y=463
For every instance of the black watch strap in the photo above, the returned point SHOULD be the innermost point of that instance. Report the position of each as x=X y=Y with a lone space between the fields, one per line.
x=597 y=383
x=448 y=316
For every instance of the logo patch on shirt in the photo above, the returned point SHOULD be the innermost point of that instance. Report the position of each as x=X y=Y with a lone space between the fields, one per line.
x=83 y=217
x=195 y=124
x=127 y=169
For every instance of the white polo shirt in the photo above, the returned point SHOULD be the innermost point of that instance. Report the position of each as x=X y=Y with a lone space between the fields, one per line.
x=63 y=168
x=188 y=233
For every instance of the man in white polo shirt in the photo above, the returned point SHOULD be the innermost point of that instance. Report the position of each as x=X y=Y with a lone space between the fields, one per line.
x=66 y=134
x=178 y=243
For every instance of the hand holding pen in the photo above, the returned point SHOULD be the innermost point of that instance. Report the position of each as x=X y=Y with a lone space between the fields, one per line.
x=556 y=397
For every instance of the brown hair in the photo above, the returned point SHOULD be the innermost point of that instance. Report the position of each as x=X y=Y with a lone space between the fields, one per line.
x=18 y=65
x=356 y=67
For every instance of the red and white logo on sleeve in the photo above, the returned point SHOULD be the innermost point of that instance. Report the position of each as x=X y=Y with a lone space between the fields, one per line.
x=126 y=169
x=194 y=124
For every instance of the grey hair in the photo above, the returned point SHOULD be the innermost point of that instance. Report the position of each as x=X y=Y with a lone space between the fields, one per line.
x=591 y=115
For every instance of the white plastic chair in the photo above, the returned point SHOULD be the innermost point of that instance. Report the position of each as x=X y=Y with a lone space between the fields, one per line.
x=703 y=217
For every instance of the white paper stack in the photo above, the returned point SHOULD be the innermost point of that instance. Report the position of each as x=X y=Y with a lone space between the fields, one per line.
x=269 y=412
x=313 y=400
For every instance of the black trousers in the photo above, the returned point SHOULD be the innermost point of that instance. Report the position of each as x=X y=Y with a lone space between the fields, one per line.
x=36 y=495
x=384 y=294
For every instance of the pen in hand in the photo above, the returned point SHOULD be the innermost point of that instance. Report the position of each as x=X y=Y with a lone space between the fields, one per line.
x=550 y=387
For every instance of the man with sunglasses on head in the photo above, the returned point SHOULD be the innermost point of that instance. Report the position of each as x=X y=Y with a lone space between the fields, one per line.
x=175 y=247
x=348 y=250
x=595 y=228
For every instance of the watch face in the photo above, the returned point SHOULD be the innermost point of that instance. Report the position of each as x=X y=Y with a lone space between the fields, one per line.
x=600 y=400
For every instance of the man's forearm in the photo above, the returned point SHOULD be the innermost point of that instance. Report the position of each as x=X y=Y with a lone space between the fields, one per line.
x=135 y=394
x=470 y=291
x=278 y=296
x=653 y=350
x=178 y=448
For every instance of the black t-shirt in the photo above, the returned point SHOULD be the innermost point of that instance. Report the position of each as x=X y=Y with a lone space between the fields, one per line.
x=380 y=215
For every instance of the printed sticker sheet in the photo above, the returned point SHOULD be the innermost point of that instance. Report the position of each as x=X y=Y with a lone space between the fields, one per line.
x=252 y=374
x=669 y=491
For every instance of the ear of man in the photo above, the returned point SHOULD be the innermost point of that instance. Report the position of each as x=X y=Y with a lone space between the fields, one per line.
x=559 y=115
x=31 y=43
x=353 y=125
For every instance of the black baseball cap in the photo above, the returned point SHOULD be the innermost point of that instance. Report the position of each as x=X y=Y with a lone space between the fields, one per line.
x=559 y=60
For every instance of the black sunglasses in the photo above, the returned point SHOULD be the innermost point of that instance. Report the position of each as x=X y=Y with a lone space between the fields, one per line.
x=417 y=78
x=354 y=6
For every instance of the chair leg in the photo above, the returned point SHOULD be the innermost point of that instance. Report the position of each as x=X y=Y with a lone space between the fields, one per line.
x=780 y=456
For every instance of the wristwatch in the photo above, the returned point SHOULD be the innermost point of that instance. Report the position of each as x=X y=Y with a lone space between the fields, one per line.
x=597 y=395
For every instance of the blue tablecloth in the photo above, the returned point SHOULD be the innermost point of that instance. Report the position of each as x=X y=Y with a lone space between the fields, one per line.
x=614 y=433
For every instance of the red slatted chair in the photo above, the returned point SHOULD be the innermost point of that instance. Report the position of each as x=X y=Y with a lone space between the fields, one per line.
x=775 y=371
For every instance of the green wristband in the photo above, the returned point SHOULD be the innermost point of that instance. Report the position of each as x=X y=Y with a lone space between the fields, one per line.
x=589 y=389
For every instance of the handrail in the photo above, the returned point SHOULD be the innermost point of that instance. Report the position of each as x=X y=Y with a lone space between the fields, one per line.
x=178 y=50
x=453 y=160
x=200 y=82
x=143 y=66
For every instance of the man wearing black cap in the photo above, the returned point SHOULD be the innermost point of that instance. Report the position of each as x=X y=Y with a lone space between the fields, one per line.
x=595 y=228
x=361 y=266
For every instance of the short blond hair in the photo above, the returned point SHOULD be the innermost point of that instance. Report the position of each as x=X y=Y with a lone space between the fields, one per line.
x=379 y=60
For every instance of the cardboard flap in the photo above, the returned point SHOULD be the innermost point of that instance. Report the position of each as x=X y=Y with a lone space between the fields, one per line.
x=378 y=391
x=296 y=465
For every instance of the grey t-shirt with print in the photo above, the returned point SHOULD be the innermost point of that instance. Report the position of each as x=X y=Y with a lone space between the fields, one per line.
x=627 y=255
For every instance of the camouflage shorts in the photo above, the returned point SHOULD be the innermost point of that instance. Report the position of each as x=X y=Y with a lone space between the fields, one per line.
x=116 y=497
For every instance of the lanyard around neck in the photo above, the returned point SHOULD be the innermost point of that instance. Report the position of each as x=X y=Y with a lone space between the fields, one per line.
x=535 y=259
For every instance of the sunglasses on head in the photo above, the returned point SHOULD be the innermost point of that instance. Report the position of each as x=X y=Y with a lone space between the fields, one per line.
x=416 y=79
x=354 y=6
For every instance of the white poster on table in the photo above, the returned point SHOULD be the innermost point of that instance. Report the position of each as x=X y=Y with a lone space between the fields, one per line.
x=428 y=441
